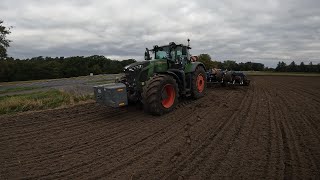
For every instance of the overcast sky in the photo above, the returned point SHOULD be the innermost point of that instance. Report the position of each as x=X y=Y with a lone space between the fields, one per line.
x=263 y=31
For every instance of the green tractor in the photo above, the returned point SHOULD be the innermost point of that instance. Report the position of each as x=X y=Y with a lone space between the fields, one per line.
x=167 y=73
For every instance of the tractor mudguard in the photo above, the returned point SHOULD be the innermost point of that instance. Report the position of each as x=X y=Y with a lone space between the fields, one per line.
x=179 y=76
x=173 y=75
x=192 y=67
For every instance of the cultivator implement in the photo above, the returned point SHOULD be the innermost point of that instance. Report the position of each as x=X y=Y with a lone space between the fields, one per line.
x=217 y=76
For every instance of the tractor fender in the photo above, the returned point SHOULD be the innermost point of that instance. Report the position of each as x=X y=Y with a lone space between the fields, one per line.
x=175 y=76
x=193 y=66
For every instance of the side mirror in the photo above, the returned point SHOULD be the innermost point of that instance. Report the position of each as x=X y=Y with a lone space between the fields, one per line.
x=147 y=55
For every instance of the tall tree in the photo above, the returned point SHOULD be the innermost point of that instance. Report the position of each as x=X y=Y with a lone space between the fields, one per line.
x=4 y=42
x=292 y=67
x=302 y=67
x=281 y=67
x=230 y=65
x=207 y=61
x=311 y=67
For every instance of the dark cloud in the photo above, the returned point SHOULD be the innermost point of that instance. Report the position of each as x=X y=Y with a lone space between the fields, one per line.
x=263 y=31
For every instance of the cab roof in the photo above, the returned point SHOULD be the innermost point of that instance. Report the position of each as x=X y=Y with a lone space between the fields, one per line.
x=171 y=44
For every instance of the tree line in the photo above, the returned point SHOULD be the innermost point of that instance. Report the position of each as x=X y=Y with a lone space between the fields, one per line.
x=293 y=67
x=60 y=67
x=63 y=67
x=252 y=66
x=230 y=65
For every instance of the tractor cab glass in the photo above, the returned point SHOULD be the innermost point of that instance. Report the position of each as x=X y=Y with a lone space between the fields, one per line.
x=180 y=55
x=162 y=52
x=174 y=54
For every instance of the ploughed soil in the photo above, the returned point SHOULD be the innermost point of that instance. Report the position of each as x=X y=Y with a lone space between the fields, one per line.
x=270 y=129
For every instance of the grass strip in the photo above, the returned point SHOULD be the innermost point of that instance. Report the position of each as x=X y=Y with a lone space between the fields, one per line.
x=39 y=101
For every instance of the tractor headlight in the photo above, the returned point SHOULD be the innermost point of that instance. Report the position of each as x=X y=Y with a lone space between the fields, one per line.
x=137 y=67
x=134 y=68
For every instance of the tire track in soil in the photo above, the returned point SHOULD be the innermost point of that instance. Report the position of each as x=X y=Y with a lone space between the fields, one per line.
x=311 y=93
x=166 y=148
x=99 y=117
x=310 y=112
x=199 y=154
x=306 y=109
x=65 y=124
x=87 y=147
x=153 y=148
x=294 y=148
x=247 y=144
x=33 y=117
x=66 y=147
x=208 y=167
x=302 y=113
x=293 y=119
x=118 y=113
x=215 y=163
x=275 y=166
x=293 y=152
x=73 y=146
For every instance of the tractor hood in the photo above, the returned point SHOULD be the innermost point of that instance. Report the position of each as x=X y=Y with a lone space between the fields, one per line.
x=136 y=65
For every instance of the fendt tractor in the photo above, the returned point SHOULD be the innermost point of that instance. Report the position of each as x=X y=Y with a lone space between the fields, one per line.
x=167 y=73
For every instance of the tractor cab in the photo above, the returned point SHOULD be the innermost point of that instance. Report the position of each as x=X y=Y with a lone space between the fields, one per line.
x=177 y=54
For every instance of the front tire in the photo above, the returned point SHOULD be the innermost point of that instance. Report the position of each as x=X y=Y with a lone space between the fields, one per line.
x=199 y=83
x=160 y=94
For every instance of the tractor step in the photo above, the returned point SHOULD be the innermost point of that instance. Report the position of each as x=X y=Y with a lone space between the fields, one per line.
x=187 y=93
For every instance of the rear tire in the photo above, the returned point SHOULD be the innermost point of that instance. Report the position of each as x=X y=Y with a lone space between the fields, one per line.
x=199 y=83
x=160 y=94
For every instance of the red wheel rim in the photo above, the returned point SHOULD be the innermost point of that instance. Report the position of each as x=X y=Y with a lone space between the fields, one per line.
x=200 y=83
x=171 y=95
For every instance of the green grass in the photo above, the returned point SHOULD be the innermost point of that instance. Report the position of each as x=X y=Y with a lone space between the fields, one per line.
x=268 y=73
x=17 y=89
x=39 y=101
x=44 y=80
